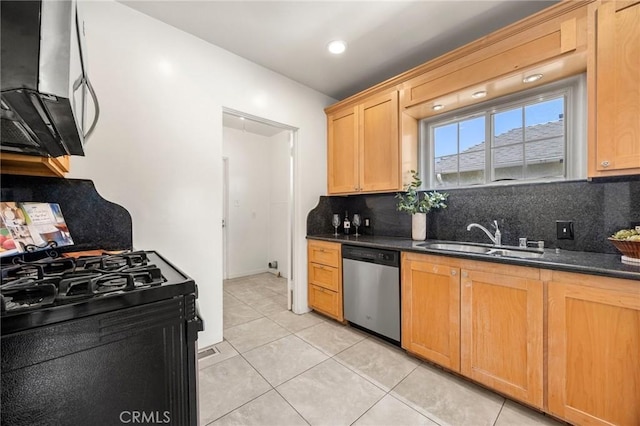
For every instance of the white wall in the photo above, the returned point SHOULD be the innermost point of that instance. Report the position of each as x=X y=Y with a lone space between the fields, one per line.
x=258 y=223
x=248 y=220
x=158 y=146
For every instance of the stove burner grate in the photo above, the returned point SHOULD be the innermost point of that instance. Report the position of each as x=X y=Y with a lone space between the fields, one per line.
x=27 y=293
x=48 y=282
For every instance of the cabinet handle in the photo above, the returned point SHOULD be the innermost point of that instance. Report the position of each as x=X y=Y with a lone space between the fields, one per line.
x=453 y=272
x=605 y=163
x=464 y=274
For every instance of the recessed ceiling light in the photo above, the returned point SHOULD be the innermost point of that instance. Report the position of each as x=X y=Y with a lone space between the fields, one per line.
x=437 y=107
x=337 y=47
x=479 y=94
x=531 y=78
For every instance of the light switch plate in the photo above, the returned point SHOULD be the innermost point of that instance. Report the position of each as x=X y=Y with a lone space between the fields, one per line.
x=564 y=229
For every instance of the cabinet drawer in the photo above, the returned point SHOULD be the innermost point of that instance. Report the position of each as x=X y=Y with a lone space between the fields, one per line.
x=324 y=276
x=326 y=301
x=324 y=253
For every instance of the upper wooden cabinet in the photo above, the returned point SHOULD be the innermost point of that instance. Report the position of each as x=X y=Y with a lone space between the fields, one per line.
x=363 y=149
x=19 y=164
x=552 y=43
x=614 y=88
x=373 y=135
x=594 y=349
x=342 y=151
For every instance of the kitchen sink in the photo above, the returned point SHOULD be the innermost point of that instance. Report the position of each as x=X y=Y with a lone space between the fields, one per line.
x=522 y=254
x=503 y=251
x=465 y=248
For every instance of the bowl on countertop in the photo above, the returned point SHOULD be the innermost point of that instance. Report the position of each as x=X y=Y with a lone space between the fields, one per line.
x=630 y=249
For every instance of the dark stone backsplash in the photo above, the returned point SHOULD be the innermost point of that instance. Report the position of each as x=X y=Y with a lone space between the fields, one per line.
x=597 y=209
x=94 y=223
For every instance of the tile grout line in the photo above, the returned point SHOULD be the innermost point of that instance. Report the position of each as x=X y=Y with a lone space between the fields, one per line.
x=504 y=401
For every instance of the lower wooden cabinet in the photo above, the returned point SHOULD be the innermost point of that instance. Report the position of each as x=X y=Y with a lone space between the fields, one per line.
x=594 y=349
x=324 y=271
x=431 y=309
x=501 y=331
x=325 y=301
x=565 y=343
x=484 y=320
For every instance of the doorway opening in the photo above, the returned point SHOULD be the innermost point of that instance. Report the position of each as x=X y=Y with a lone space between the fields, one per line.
x=258 y=197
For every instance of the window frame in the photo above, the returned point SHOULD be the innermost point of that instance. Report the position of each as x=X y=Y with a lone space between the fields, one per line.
x=574 y=91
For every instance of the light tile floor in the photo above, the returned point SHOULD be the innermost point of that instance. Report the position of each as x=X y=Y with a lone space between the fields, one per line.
x=276 y=368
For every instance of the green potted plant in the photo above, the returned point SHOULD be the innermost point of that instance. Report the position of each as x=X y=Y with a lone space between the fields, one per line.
x=419 y=204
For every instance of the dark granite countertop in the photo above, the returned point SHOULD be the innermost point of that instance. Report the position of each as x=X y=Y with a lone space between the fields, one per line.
x=604 y=264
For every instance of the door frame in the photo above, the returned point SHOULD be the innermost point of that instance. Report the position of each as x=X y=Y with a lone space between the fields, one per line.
x=293 y=137
x=225 y=217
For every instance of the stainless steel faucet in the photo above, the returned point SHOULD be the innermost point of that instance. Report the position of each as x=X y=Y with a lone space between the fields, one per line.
x=496 y=239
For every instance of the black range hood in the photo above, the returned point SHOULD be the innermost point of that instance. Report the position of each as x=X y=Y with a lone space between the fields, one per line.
x=43 y=79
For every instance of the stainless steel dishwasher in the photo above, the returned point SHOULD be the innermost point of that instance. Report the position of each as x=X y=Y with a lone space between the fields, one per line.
x=371 y=290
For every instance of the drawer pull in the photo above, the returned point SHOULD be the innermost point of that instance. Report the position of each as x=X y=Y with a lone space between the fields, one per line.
x=453 y=272
x=605 y=163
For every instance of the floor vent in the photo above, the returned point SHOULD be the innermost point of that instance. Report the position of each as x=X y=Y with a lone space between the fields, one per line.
x=208 y=352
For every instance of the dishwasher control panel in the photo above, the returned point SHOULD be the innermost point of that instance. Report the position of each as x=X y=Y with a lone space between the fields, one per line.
x=372 y=255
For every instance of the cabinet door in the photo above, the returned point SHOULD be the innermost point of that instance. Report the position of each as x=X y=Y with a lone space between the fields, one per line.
x=431 y=311
x=342 y=151
x=326 y=301
x=617 y=73
x=379 y=148
x=594 y=352
x=501 y=333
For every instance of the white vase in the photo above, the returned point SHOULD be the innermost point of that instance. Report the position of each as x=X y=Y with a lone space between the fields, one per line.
x=419 y=226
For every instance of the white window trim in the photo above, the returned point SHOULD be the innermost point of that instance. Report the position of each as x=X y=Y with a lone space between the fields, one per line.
x=575 y=116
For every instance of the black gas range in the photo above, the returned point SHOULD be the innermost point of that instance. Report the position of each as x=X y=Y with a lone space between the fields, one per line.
x=100 y=339
x=54 y=289
x=89 y=337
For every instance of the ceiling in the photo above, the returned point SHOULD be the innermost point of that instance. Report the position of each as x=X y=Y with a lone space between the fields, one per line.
x=384 y=38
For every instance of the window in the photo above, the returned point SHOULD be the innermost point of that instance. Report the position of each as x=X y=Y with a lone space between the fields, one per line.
x=533 y=136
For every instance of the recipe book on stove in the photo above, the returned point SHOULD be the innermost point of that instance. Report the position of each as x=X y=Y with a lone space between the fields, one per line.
x=28 y=227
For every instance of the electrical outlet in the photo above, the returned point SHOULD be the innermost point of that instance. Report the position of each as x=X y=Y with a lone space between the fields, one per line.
x=564 y=229
x=367 y=222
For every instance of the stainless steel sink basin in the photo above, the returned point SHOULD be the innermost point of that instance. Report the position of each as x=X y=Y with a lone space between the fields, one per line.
x=522 y=254
x=504 y=251
x=465 y=248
